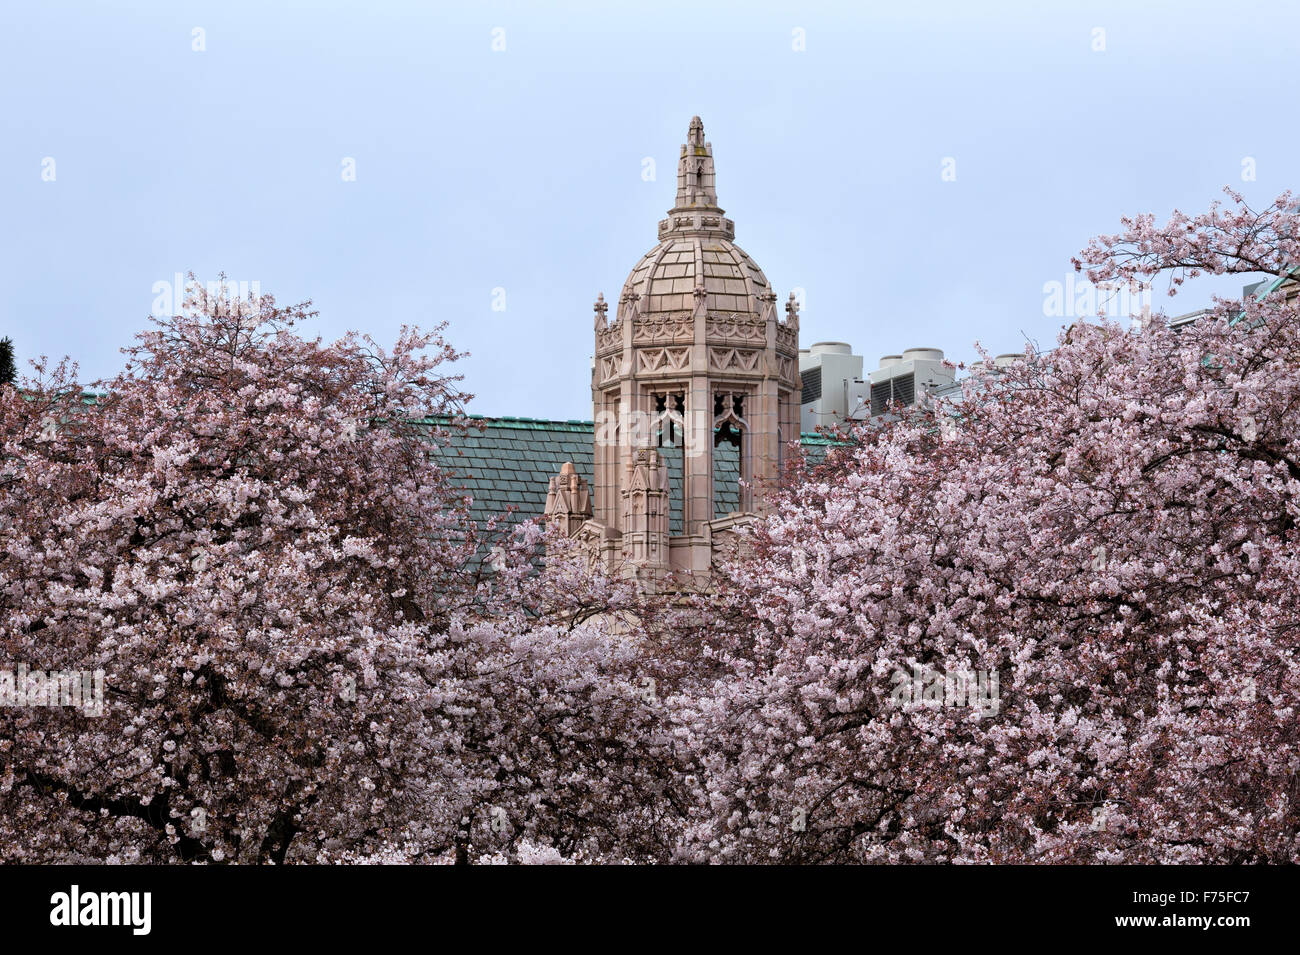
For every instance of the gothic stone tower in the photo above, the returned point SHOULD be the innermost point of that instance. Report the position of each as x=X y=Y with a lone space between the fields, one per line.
x=696 y=364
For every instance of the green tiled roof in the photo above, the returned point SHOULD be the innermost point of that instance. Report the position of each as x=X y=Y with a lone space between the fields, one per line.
x=508 y=462
x=505 y=462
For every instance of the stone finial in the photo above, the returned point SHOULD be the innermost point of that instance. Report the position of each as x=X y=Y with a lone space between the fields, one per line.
x=695 y=134
x=601 y=308
x=696 y=189
x=568 y=500
x=792 y=310
x=646 y=470
x=629 y=304
x=701 y=293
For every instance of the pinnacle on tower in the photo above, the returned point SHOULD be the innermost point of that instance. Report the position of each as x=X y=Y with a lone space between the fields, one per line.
x=696 y=188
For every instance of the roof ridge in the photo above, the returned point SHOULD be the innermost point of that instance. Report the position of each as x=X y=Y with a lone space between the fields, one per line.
x=508 y=420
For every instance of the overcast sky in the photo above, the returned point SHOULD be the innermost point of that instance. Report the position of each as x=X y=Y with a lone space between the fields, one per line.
x=523 y=168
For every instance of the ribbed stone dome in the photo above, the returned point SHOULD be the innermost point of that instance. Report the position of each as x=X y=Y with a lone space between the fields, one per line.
x=696 y=251
x=665 y=278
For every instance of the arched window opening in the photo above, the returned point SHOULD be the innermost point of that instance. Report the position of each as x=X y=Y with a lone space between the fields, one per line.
x=669 y=434
x=729 y=427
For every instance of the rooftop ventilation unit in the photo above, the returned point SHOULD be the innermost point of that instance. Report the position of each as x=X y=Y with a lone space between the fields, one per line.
x=812 y=385
x=903 y=379
x=885 y=394
x=827 y=370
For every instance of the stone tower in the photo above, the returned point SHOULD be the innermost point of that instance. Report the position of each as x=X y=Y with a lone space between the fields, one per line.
x=696 y=370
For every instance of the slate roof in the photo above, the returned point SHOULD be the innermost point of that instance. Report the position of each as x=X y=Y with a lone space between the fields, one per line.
x=503 y=462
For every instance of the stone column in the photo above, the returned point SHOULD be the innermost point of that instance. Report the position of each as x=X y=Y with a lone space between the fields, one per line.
x=645 y=515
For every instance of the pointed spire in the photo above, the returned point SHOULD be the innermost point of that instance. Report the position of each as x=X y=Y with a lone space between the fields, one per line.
x=696 y=211
x=696 y=189
x=792 y=310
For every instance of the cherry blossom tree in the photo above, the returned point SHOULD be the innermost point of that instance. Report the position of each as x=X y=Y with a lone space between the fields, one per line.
x=303 y=654
x=1109 y=529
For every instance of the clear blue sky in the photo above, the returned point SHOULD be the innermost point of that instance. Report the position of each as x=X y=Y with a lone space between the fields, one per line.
x=522 y=169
